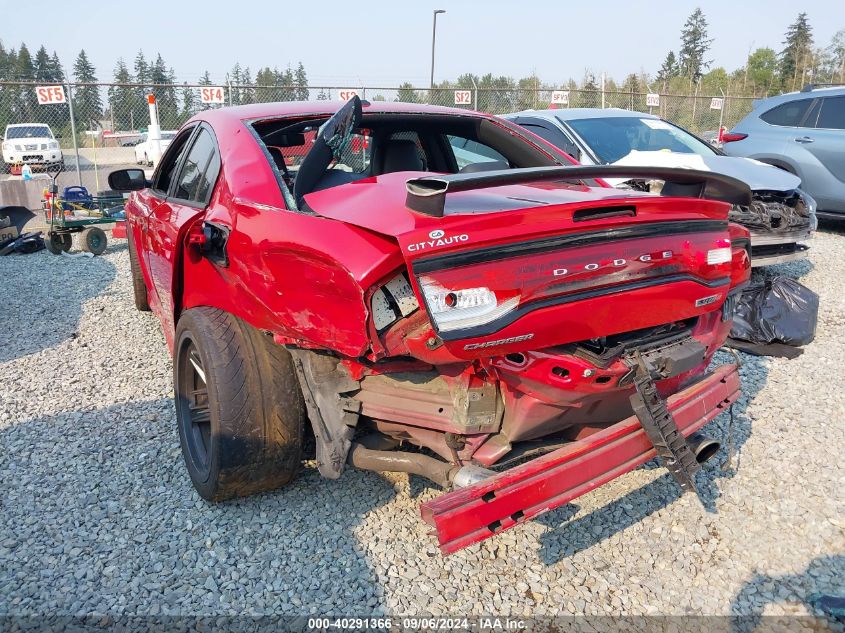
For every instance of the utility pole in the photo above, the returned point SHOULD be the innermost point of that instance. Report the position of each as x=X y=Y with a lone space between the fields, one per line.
x=433 y=39
x=73 y=132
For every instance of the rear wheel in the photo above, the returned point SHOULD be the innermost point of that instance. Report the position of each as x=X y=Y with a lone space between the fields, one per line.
x=139 y=288
x=94 y=240
x=58 y=242
x=238 y=406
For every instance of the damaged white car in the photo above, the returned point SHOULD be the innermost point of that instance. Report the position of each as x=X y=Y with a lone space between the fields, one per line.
x=780 y=218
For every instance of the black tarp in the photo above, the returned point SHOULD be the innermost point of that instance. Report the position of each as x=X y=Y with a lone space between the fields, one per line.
x=777 y=311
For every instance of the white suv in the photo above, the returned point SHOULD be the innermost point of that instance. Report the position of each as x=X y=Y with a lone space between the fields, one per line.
x=31 y=143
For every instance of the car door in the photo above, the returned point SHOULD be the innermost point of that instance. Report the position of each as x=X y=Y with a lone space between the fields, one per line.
x=188 y=198
x=157 y=211
x=784 y=132
x=827 y=143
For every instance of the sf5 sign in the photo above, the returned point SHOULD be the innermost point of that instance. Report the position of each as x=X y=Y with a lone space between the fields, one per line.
x=212 y=94
x=50 y=94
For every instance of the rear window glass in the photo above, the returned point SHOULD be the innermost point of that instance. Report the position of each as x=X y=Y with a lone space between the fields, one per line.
x=787 y=114
x=832 y=115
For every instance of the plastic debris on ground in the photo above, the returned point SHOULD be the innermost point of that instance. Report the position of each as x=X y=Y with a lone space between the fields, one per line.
x=76 y=255
x=775 y=318
x=23 y=245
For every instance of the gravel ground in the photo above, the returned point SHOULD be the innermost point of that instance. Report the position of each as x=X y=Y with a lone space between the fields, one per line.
x=98 y=515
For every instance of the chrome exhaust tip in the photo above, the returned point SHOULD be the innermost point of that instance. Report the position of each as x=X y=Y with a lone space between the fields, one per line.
x=471 y=474
x=703 y=447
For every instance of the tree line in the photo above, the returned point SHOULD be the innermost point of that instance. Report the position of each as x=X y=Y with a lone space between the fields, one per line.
x=688 y=70
x=123 y=105
x=766 y=70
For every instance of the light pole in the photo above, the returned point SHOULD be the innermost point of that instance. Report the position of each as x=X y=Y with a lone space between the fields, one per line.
x=433 y=36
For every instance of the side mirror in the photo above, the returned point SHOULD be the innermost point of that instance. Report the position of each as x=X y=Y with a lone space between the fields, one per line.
x=124 y=180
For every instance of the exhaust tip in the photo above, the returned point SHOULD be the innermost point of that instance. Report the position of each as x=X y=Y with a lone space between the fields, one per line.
x=703 y=447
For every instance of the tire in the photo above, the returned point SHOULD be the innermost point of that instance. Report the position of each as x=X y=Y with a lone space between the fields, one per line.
x=139 y=288
x=241 y=427
x=146 y=162
x=94 y=240
x=58 y=242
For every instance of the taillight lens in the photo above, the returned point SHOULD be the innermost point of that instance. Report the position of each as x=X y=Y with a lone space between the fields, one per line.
x=719 y=256
x=454 y=309
x=729 y=137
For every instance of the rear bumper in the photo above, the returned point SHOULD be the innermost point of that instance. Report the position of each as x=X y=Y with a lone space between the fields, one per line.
x=472 y=514
x=778 y=248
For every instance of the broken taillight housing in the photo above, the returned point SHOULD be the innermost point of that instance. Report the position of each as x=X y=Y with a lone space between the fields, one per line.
x=392 y=301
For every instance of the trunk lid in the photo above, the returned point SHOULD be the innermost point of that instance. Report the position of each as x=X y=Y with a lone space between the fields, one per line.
x=527 y=266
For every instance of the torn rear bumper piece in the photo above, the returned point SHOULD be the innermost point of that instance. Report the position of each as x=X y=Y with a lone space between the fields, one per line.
x=472 y=514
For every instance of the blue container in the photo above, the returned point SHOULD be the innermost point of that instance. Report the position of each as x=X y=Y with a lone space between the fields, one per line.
x=75 y=197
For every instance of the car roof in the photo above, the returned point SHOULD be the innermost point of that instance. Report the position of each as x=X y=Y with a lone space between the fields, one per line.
x=283 y=109
x=825 y=91
x=26 y=124
x=569 y=114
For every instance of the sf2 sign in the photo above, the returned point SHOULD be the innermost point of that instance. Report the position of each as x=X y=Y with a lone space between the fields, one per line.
x=652 y=100
x=345 y=94
x=463 y=97
x=212 y=94
x=50 y=94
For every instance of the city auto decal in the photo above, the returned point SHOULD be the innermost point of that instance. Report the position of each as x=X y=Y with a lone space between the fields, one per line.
x=437 y=238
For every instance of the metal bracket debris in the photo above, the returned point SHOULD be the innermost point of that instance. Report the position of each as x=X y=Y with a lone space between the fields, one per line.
x=660 y=426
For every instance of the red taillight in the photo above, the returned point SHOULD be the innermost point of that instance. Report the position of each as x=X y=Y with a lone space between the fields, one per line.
x=729 y=137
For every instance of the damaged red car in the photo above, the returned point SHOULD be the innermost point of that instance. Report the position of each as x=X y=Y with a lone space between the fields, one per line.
x=431 y=291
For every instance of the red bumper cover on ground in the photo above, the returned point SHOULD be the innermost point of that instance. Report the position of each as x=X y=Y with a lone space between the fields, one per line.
x=471 y=514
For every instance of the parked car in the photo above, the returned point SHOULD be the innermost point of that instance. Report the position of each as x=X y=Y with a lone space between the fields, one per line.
x=804 y=134
x=32 y=144
x=483 y=314
x=144 y=154
x=781 y=216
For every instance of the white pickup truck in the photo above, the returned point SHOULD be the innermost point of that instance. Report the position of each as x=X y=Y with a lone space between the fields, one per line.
x=30 y=143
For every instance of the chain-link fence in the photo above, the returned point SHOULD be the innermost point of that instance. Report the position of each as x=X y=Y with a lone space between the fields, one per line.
x=95 y=128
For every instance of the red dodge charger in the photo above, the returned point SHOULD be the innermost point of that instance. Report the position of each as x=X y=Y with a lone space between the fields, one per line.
x=399 y=287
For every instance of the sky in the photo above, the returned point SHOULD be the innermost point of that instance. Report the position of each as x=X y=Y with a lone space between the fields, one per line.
x=381 y=43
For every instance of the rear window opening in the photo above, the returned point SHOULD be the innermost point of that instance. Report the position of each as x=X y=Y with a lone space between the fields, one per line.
x=393 y=142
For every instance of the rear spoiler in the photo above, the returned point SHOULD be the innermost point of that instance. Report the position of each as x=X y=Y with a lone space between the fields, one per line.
x=428 y=194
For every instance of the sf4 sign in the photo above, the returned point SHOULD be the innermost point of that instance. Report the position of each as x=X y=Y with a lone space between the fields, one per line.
x=50 y=94
x=463 y=97
x=212 y=94
x=560 y=97
x=345 y=94
x=652 y=100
